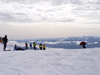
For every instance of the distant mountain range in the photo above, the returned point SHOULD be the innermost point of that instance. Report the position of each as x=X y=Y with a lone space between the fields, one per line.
x=66 y=43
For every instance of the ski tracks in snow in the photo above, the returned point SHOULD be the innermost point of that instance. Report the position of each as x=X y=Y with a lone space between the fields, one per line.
x=50 y=62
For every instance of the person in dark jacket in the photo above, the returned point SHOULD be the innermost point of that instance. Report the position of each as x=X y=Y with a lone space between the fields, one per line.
x=5 y=40
x=30 y=45
x=83 y=44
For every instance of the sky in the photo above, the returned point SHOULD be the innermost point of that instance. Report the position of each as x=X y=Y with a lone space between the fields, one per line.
x=27 y=19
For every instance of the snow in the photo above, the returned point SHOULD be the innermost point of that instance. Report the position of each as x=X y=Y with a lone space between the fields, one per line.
x=50 y=62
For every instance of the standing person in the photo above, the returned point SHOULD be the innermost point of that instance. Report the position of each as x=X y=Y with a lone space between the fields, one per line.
x=5 y=40
x=83 y=44
x=40 y=46
x=26 y=45
x=30 y=45
x=34 y=44
x=44 y=47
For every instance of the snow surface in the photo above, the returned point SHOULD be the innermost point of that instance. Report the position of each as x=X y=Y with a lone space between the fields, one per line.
x=50 y=62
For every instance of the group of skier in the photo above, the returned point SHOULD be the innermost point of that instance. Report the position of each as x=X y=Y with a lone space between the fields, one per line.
x=34 y=46
x=42 y=47
x=4 y=40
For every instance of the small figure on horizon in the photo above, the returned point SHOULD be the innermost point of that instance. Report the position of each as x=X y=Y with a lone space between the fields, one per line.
x=44 y=47
x=83 y=44
x=30 y=45
x=34 y=45
x=26 y=45
x=5 y=40
x=40 y=46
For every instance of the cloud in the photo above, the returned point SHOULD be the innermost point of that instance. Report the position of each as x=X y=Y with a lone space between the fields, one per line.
x=93 y=17
x=34 y=13
x=24 y=1
x=48 y=10
x=13 y=17
x=6 y=17
x=54 y=2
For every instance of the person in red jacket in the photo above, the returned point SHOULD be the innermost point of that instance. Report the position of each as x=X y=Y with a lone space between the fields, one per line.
x=83 y=44
x=26 y=45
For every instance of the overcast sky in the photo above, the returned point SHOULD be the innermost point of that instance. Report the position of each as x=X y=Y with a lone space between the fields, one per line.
x=25 y=19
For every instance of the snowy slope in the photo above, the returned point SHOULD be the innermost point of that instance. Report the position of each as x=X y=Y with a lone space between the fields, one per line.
x=50 y=62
